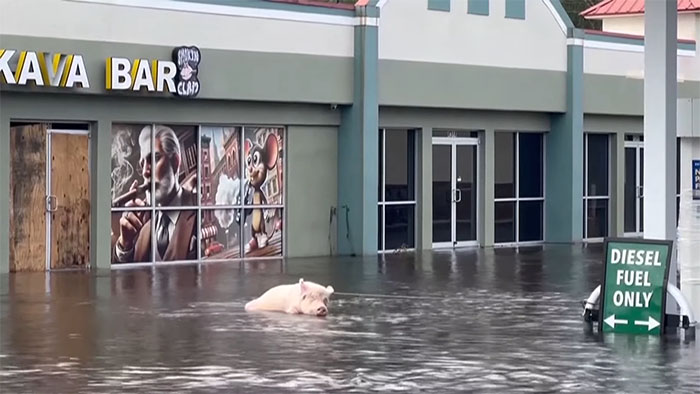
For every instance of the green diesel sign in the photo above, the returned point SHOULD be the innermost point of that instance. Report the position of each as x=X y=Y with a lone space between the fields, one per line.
x=633 y=294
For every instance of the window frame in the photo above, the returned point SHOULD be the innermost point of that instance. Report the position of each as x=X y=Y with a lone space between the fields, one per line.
x=199 y=207
x=586 y=197
x=517 y=199
x=381 y=198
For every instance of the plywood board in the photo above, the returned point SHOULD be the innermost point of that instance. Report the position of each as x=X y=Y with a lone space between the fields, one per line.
x=28 y=193
x=70 y=183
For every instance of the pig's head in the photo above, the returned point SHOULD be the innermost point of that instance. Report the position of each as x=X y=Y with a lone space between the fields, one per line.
x=314 y=298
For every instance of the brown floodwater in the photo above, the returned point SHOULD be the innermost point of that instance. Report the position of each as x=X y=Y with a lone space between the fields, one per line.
x=476 y=320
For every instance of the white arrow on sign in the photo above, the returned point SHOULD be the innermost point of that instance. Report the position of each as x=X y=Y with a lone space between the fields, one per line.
x=612 y=321
x=652 y=323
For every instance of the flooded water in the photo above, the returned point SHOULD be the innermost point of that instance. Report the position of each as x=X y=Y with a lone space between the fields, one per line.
x=481 y=321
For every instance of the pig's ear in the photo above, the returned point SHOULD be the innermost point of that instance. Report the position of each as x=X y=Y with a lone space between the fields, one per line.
x=303 y=286
x=330 y=290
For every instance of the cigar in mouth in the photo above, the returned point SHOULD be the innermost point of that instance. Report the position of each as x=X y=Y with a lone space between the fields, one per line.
x=131 y=194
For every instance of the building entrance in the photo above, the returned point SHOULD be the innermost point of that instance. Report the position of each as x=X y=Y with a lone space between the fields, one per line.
x=634 y=187
x=50 y=197
x=455 y=169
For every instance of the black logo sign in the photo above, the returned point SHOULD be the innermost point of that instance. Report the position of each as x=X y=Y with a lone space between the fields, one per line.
x=187 y=61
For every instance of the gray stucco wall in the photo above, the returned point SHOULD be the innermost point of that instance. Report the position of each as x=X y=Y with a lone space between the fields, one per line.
x=231 y=75
x=616 y=95
x=437 y=85
x=101 y=111
x=312 y=187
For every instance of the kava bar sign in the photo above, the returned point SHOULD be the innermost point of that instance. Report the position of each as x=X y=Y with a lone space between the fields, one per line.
x=633 y=298
x=178 y=76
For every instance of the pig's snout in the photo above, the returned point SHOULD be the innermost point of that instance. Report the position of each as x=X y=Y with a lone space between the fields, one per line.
x=321 y=311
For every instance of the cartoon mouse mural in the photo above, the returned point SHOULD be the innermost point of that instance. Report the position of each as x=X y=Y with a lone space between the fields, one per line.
x=259 y=160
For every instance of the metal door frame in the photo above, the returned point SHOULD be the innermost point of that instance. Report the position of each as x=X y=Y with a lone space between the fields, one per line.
x=638 y=147
x=48 y=207
x=453 y=142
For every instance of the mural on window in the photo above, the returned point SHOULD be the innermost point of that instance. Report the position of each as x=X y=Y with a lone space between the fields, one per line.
x=240 y=200
x=264 y=170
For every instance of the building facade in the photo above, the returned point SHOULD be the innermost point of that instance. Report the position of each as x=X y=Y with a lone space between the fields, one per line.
x=154 y=131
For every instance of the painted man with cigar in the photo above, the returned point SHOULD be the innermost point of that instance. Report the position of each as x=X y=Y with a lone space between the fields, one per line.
x=175 y=230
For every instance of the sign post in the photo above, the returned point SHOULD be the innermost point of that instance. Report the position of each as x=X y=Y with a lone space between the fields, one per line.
x=633 y=298
x=696 y=179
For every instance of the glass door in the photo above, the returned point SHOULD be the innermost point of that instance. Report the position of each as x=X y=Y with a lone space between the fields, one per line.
x=455 y=210
x=465 y=188
x=634 y=187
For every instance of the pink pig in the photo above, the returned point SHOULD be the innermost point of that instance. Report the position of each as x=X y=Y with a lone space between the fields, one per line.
x=300 y=298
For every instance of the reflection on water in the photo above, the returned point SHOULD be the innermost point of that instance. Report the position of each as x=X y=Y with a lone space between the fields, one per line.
x=491 y=321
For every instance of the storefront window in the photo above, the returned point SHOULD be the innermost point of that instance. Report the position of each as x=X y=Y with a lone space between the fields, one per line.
x=519 y=187
x=397 y=189
x=238 y=212
x=596 y=195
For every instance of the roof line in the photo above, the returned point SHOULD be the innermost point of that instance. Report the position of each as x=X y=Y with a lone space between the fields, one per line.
x=318 y=3
x=629 y=36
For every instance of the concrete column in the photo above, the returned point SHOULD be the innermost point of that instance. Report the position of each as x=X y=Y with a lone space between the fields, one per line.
x=564 y=153
x=660 y=95
x=6 y=190
x=617 y=182
x=486 y=185
x=100 y=198
x=358 y=145
x=424 y=225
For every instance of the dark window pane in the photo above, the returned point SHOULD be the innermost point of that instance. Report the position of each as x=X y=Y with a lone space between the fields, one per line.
x=400 y=165
x=380 y=178
x=380 y=228
x=399 y=227
x=530 y=221
x=442 y=193
x=597 y=164
x=467 y=134
x=597 y=218
x=678 y=166
x=630 y=190
x=530 y=165
x=441 y=133
x=504 y=165
x=504 y=228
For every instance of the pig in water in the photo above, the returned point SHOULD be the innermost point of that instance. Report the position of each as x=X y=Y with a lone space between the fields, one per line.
x=300 y=298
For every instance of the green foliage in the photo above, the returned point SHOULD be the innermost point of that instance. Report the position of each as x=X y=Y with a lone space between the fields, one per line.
x=574 y=7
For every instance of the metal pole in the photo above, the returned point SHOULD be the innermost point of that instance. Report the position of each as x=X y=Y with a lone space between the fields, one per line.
x=660 y=95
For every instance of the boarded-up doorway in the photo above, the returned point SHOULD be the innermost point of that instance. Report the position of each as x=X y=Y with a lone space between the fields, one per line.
x=50 y=197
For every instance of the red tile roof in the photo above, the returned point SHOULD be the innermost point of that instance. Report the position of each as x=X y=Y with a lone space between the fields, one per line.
x=631 y=7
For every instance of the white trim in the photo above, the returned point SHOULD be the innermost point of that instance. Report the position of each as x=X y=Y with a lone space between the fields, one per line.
x=397 y=202
x=250 y=12
x=575 y=41
x=555 y=14
x=614 y=46
x=366 y=21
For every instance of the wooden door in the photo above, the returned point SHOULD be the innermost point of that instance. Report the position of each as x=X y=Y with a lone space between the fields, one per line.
x=28 y=198
x=70 y=186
